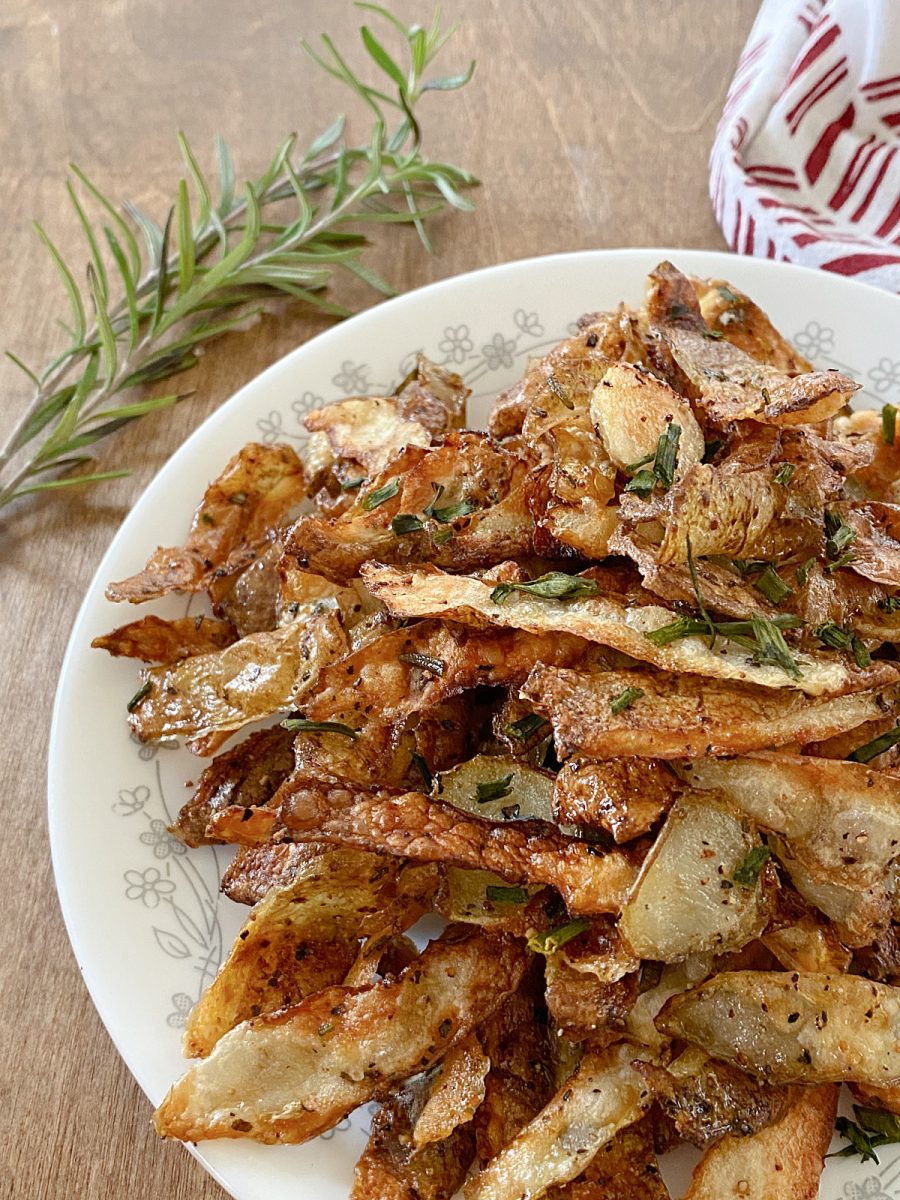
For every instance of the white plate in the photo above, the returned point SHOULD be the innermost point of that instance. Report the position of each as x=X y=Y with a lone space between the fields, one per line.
x=145 y=918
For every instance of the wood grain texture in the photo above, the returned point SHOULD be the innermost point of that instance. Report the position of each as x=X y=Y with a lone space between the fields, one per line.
x=589 y=122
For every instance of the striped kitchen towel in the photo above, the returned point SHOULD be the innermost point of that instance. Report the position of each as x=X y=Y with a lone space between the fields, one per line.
x=805 y=166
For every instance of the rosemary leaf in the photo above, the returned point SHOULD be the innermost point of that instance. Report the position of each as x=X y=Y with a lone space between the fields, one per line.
x=772 y=585
x=865 y=753
x=747 y=872
x=525 y=727
x=625 y=699
x=555 y=585
x=424 y=662
x=888 y=423
x=493 y=789
x=301 y=725
x=379 y=495
x=507 y=895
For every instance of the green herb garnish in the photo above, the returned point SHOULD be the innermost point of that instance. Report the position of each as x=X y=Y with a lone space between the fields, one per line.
x=748 y=870
x=872 y=1128
x=838 y=535
x=425 y=662
x=555 y=585
x=350 y=485
x=507 y=895
x=803 y=571
x=714 y=335
x=552 y=940
x=625 y=699
x=889 y=604
x=833 y=635
x=406 y=523
x=772 y=585
x=559 y=391
x=663 y=470
x=771 y=648
x=138 y=696
x=727 y=294
x=301 y=725
x=785 y=474
x=762 y=635
x=870 y=750
x=386 y=492
x=525 y=727
x=494 y=789
x=888 y=424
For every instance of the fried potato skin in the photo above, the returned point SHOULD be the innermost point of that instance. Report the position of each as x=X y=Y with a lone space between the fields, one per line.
x=689 y=717
x=731 y=313
x=793 y=1028
x=624 y=797
x=240 y=513
x=781 y=1162
x=392 y=1167
x=290 y=1075
x=154 y=640
x=257 y=869
x=415 y=826
x=624 y=1169
x=457 y=1091
x=263 y=673
x=248 y=776
x=603 y=618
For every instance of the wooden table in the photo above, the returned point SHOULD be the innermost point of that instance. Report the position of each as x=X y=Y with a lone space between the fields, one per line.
x=589 y=124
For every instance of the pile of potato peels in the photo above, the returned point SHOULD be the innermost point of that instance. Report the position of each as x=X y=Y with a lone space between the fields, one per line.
x=614 y=689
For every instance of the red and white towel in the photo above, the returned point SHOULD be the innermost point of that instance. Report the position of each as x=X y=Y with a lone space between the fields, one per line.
x=805 y=166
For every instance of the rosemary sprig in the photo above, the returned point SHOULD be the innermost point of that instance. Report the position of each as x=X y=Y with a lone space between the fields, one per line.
x=223 y=254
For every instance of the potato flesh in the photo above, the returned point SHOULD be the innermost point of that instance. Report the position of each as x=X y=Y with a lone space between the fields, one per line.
x=528 y=792
x=603 y=1096
x=685 y=900
x=841 y=817
x=456 y=1093
x=631 y=410
x=797 y=1028
x=288 y=1076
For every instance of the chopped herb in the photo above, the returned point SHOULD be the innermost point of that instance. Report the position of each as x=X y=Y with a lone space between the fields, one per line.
x=138 y=696
x=676 y=311
x=422 y=767
x=301 y=725
x=452 y=512
x=838 y=534
x=711 y=449
x=494 y=789
x=785 y=474
x=832 y=635
x=387 y=492
x=552 y=940
x=737 y=631
x=772 y=648
x=237 y=498
x=424 y=661
x=440 y=537
x=663 y=471
x=405 y=523
x=350 y=485
x=844 y=639
x=889 y=604
x=695 y=584
x=870 y=750
x=773 y=586
x=803 y=571
x=843 y=561
x=872 y=1128
x=207 y=519
x=625 y=699
x=888 y=423
x=713 y=334
x=555 y=585
x=727 y=294
x=525 y=727
x=507 y=895
x=747 y=872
